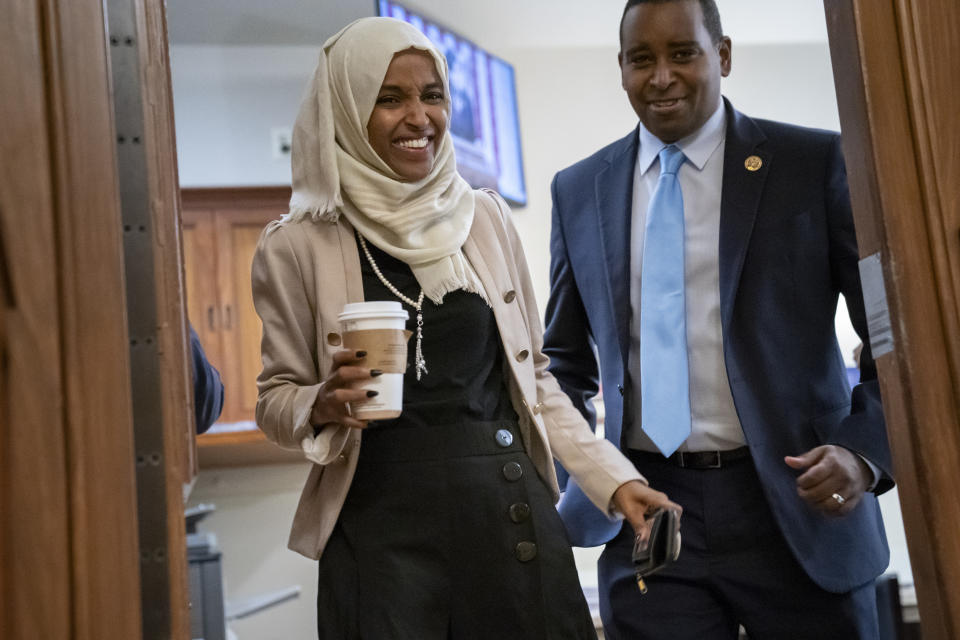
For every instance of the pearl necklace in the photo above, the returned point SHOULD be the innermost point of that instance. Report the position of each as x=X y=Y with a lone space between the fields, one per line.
x=420 y=363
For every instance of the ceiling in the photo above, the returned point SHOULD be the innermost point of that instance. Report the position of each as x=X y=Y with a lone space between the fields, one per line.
x=494 y=24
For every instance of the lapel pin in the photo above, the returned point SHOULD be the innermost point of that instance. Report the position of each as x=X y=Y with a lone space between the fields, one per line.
x=753 y=163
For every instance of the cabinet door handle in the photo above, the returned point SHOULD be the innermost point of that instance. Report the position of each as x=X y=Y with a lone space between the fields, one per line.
x=228 y=322
x=210 y=321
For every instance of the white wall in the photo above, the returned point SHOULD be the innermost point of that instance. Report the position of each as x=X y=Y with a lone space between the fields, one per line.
x=228 y=99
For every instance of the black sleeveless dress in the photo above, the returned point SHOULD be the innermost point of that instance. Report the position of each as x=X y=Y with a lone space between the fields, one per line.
x=447 y=531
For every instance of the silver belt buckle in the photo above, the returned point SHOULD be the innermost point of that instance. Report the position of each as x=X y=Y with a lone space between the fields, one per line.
x=716 y=464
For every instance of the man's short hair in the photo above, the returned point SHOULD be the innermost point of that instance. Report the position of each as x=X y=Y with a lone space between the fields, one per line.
x=711 y=16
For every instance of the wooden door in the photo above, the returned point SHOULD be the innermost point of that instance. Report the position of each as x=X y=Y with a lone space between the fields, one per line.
x=218 y=250
x=895 y=72
x=200 y=268
x=221 y=227
x=69 y=563
x=237 y=234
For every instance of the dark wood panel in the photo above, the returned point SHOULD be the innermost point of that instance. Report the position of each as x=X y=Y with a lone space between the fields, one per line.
x=237 y=232
x=237 y=216
x=236 y=197
x=33 y=456
x=243 y=448
x=895 y=116
x=931 y=34
x=105 y=555
x=199 y=265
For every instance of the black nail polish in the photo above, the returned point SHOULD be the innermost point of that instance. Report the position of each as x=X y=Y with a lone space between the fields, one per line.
x=371 y=393
x=375 y=372
x=361 y=354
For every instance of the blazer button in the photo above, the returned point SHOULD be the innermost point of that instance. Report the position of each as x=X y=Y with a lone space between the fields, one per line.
x=333 y=339
x=519 y=512
x=510 y=296
x=526 y=551
x=537 y=408
x=512 y=471
x=504 y=438
x=522 y=355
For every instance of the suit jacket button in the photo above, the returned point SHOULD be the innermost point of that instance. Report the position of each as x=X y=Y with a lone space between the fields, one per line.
x=522 y=355
x=519 y=512
x=504 y=438
x=526 y=551
x=333 y=339
x=510 y=296
x=512 y=471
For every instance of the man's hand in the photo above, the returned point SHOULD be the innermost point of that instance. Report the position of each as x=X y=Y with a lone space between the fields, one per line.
x=831 y=471
x=636 y=501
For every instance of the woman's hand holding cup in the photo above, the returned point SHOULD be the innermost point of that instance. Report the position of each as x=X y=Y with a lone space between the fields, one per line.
x=331 y=405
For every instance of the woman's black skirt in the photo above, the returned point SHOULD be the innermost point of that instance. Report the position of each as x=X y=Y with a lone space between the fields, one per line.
x=449 y=533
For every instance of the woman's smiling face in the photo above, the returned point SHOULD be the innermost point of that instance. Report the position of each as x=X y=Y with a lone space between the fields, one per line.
x=410 y=116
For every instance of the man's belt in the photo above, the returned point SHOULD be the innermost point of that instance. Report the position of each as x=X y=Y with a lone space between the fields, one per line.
x=696 y=459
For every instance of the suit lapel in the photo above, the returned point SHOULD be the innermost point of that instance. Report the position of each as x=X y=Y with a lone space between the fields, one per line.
x=740 y=200
x=614 y=192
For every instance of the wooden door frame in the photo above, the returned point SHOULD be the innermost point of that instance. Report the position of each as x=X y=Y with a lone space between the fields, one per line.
x=888 y=88
x=164 y=426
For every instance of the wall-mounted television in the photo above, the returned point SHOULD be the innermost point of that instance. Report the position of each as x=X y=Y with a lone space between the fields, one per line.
x=483 y=108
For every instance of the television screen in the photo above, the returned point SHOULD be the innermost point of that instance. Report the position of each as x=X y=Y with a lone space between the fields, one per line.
x=483 y=109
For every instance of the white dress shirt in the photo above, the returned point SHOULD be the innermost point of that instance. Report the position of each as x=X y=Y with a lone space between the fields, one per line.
x=714 y=421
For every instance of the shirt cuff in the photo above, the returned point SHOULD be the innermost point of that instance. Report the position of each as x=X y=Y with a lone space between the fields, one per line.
x=324 y=447
x=875 y=470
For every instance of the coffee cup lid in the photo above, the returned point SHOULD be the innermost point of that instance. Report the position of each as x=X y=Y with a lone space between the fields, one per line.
x=375 y=309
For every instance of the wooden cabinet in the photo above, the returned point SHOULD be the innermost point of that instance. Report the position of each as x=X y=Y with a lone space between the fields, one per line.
x=220 y=232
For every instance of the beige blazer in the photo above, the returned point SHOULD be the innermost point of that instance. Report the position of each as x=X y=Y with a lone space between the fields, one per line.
x=303 y=274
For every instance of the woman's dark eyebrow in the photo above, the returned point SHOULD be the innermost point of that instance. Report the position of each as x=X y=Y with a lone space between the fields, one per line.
x=398 y=89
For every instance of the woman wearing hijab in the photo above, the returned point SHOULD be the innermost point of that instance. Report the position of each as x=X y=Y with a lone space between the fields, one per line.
x=440 y=523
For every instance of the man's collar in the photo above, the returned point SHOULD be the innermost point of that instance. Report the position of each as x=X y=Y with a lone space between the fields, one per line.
x=697 y=147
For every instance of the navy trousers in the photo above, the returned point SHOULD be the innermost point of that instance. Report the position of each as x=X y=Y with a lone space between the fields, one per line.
x=734 y=569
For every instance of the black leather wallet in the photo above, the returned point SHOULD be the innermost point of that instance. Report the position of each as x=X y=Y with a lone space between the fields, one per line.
x=662 y=547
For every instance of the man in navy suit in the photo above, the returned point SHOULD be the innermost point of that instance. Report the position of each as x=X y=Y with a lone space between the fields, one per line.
x=780 y=462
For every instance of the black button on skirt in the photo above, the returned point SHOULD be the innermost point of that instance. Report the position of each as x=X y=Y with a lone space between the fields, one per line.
x=448 y=534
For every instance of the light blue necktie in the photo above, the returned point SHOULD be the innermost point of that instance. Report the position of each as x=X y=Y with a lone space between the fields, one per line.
x=664 y=372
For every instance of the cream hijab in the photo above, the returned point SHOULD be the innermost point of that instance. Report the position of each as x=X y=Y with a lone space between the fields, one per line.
x=336 y=171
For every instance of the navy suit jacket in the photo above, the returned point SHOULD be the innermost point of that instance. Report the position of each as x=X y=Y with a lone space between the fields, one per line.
x=787 y=250
x=207 y=387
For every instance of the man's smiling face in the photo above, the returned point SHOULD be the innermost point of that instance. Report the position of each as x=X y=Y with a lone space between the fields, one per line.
x=670 y=68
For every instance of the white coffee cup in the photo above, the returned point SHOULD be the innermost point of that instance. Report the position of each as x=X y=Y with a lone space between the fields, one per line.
x=379 y=328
